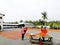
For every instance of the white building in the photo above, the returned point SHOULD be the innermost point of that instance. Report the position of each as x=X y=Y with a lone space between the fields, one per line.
x=1 y=21
x=27 y=24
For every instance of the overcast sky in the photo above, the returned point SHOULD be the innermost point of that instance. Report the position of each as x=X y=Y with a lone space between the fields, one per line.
x=16 y=10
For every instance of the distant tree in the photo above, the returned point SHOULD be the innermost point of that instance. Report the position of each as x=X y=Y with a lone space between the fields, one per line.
x=26 y=21
x=44 y=16
x=16 y=22
x=30 y=21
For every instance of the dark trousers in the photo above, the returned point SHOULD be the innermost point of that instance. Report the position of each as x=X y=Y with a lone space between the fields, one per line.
x=22 y=36
x=43 y=38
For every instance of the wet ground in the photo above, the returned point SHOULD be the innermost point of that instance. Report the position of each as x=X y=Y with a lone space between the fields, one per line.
x=14 y=37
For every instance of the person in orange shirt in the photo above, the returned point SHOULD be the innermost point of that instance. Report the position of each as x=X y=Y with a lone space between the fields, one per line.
x=43 y=32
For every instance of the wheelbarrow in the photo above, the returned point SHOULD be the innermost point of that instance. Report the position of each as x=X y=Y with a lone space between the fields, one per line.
x=41 y=40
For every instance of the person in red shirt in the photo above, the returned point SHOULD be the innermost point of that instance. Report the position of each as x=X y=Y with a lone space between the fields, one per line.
x=23 y=31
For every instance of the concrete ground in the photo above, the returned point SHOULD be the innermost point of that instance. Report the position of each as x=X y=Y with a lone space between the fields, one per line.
x=5 y=41
x=14 y=37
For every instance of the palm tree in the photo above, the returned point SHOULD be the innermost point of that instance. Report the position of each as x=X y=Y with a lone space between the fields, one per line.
x=44 y=16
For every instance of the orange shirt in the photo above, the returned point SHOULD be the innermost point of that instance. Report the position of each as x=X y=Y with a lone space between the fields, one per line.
x=43 y=32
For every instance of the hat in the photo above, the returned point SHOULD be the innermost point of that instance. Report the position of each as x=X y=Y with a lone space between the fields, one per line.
x=44 y=26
